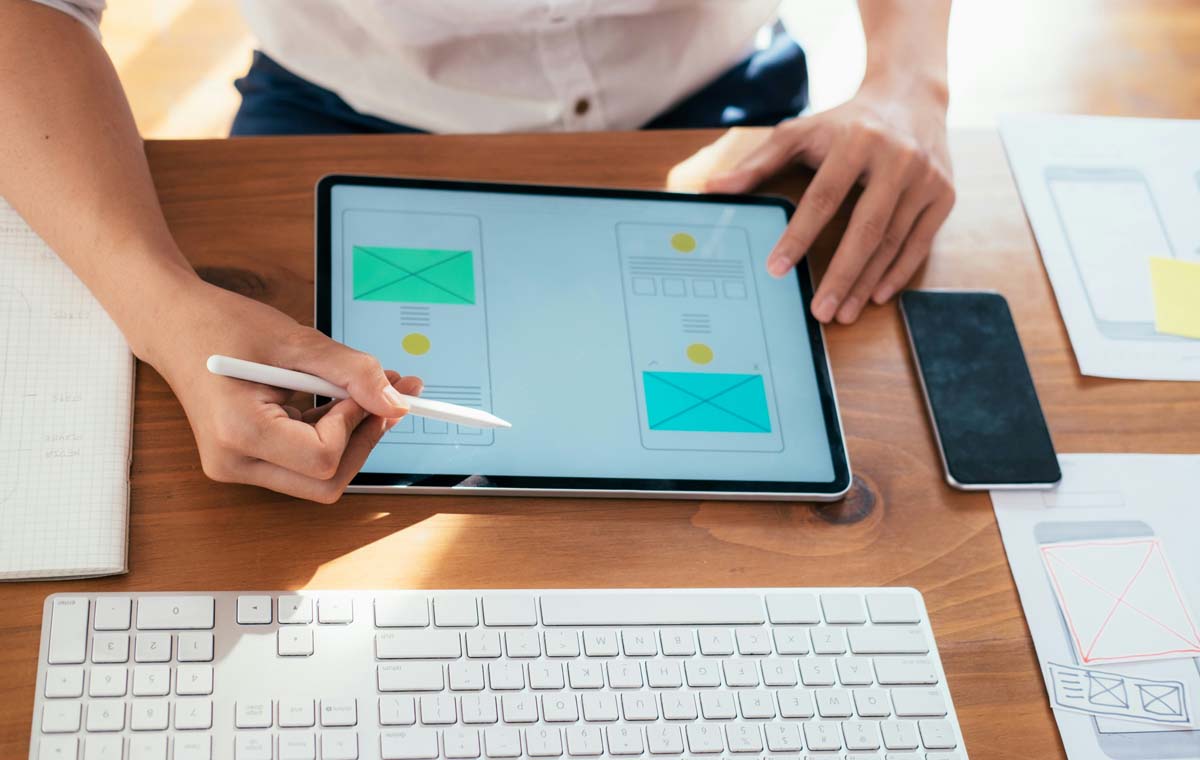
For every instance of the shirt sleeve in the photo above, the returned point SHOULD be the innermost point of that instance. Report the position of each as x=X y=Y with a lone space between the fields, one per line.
x=86 y=12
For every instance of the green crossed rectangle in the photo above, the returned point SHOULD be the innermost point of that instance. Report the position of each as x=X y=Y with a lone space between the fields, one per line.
x=413 y=275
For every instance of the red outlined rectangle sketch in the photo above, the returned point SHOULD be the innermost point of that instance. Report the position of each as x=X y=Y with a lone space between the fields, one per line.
x=1120 y=600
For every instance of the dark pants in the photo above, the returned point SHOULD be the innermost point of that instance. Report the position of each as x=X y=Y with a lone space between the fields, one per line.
x=769 y=86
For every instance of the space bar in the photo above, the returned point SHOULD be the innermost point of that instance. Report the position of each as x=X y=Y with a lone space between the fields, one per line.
x=652 y=609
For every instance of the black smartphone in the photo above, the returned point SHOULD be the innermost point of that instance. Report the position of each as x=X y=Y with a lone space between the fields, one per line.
x=986 y=417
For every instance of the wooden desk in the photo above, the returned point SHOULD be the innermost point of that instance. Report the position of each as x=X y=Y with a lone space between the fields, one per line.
x=243 y=212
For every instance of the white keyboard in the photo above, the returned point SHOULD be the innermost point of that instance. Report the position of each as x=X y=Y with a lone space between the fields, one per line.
x=383 y=675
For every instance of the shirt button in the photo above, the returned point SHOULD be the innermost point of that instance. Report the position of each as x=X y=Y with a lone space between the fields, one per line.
x=582 y=106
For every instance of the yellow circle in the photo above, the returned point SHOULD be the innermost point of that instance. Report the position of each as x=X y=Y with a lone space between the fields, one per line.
x=415 y=343
x=683 y=242
x=699 y=353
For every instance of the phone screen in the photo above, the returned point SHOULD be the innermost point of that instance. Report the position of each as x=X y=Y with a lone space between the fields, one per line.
x=981 y=397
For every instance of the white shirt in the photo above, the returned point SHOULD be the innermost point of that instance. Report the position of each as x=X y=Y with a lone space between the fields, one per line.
x=502 y=65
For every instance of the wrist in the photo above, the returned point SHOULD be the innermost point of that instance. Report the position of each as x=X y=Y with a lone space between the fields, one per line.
x=926 y=86
x=151 y=318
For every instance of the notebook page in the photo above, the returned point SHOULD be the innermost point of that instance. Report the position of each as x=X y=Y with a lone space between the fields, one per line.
x=66 y=393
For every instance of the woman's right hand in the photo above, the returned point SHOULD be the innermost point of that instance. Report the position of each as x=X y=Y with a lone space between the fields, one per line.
x=246 y=432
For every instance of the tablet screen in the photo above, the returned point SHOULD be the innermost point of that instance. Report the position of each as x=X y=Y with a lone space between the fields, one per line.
x=623 y=337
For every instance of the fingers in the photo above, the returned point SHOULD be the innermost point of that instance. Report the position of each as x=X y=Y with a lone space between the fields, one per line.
x=911 y=204
x=916 y=248
x=359 y=373
x=821 y=200
x=773 y=155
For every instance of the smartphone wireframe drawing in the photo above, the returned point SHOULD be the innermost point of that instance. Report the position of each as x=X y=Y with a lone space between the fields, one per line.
x=1123 y=739
x=1112 y=226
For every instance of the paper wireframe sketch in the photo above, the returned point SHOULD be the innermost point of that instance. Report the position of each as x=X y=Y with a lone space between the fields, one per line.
x=1116 y=695
x=1120 y=600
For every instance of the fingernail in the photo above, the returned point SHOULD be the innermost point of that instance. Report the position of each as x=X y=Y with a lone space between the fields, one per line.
x=849 y=310
x=825 y=309
x=394 y=397
x=883 y=294
x=777 y=266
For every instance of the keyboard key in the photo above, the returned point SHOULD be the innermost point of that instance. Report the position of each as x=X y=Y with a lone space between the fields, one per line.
x=61 y=717
x=785 y=609
x=297 y=747
x=827 y=640
x=191 y=715
x=393 y=711
x=702 y=673
x=585 y=675
x=704 y=738
x=149 y=715
x=297 y=713
x=483 y=644
x=855 y=671
x=295 y=610
x=717 y=705
x=639 y=643
x=561 y=643
x=478 y=709
x=339 y=712
x=522 y=643
x=891 y=671
x=408 y=743
x=509 y=610
x=899 y=734
x=151 y=681
x=937 y=734
x=506 y=675
x=887 y=640
x=113 y=613
x=103 y=748
x=679 y=706
x=110 y=647
x=64 y=682
x=335 y=610
x=791 y=641
x=599 y=707
x=546 y=675
x=417 y=645
x=339 y=745
x=108 y=681
x=740 y=673
x=253 y=713
x=151 y=747
x=664 y=674
x=197 y=747
x=518 y=708
x=294 y=641
x=756 y=703
x=466 y=676
x=872 y=703
x=624 y=740
x=58 y=748
x=822 y=735
x=194 y=680
x=68 y=631
x=629 y=609
x=401 y=612
x=559 y=708
x=410 y=676
x=105 y=715
x=911 y=703
x=252 y=746
x=584 y=741
x=678 y=642
x=461 y=742
x=795 y=703
x=834 y=703
x=843 y=608
x=893 y=608
x=502 y=742
x=152 y=647
x=438 y=710
x=778 y=672
x=540 y=742
x=195 y=647
x=639 y=706
x=664 y=740
x=816 y=671
x=753 y=641
x=600 y=643
x=716 y=642
x=783 y=737
x=455 y=611
x=158 y=613
x=743 y=737
x=624 y=674
x=253 y=610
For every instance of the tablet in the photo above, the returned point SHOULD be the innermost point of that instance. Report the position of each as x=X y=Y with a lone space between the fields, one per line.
x=633 y=339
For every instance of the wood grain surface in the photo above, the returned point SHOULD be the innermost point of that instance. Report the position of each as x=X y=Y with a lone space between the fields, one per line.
x=242 y=210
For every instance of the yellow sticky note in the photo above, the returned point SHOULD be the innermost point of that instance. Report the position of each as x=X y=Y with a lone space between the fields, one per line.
x=1176 y=286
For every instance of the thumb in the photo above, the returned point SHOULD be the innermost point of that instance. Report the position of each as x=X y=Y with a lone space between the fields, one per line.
x=761 y=163
x=359 y=373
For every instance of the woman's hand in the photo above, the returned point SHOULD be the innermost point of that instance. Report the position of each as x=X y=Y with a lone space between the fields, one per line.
x=246 y=433
x=891 y=140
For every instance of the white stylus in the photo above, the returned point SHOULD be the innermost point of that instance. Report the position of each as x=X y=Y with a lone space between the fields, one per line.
x=292 y=380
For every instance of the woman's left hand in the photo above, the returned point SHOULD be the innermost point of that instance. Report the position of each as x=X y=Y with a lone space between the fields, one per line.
x=893 y=142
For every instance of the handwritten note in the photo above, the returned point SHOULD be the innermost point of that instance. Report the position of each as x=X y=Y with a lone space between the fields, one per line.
x=1097 y=692
x=1176 y=286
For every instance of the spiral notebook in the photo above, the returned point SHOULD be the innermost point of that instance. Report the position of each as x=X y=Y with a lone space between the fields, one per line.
x=66 y=395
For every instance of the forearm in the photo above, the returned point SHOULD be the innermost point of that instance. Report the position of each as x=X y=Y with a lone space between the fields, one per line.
x=72 y=163
x=906 y=45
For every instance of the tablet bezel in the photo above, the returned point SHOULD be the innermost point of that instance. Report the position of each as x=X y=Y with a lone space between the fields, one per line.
x=592 y=486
